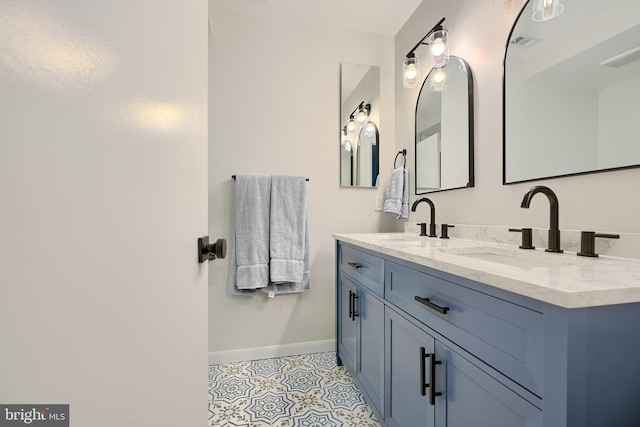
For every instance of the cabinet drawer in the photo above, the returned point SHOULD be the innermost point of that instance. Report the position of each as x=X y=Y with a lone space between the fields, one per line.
x=364 y=268
x=504 y=335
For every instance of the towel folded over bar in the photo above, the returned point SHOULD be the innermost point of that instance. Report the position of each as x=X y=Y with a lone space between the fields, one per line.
x=271 y=235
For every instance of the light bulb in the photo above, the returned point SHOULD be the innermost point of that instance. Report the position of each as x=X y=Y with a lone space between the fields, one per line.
x=351 y=127
x=362 y=115
x=438 y=47
x=411 y=72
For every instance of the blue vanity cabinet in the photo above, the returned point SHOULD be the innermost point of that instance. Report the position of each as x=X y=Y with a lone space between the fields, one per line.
x=360 y=322
x=407 y=400
x=495 y=358
x=346 y=338
x=431 y=383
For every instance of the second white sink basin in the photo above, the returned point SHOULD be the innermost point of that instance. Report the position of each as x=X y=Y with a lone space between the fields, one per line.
x=524 y=259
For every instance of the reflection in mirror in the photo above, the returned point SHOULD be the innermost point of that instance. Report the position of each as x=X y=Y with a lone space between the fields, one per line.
x=367 y=156
x=444 y=129
x=572 y=91
x=360 y=120
x=346 y=164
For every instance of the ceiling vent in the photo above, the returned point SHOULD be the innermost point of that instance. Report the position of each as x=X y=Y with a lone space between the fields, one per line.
x=623 y=59
x=524 y=41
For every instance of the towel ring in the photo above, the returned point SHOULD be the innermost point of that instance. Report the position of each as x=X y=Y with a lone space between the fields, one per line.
x=404 y=155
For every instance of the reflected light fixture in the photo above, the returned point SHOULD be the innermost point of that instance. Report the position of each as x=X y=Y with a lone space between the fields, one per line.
x=438 y=80
x=370 y=129
x=438 y=41
x=363 y=112
x=507 y=5
x=351 y=126
x=543 y=10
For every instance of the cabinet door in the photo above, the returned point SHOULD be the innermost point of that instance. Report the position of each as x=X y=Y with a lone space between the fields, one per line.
x=407 y=400
x=370 y=365
x=472 y=397
x=347 y=323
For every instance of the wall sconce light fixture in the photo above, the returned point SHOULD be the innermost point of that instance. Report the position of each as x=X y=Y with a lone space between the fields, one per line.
x=438 y=40
x=543 y=10
x=358 y=117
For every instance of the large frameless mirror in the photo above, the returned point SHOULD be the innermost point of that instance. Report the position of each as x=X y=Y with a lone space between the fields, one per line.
x=360 y=121
x=572 y=91
x=444 y=129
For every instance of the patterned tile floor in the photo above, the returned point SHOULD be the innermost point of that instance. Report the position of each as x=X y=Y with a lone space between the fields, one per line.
x=298 y=391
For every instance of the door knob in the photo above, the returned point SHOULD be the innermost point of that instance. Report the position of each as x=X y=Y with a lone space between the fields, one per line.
x=208 y=251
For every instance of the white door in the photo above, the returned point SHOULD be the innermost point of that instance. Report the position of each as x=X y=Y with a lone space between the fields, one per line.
x=103 y=194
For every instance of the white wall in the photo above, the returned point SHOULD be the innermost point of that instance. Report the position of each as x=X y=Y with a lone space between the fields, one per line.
x=103 y=145
x=275 y=108
x=478 y=32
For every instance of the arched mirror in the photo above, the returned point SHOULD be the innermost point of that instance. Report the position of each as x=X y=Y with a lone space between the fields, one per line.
x=346 y=164
x=572 y=91
x=444 y=129
x=360 y=120
x=368 y=156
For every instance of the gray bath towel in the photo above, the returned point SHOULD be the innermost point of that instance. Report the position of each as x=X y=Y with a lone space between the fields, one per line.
x=396 y=195
x=253 y=203
x=232 y=282
x=305 y=283
x=288 y=226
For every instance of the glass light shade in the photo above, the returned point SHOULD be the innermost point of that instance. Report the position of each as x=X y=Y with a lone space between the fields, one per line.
x=362 y=115
x=438 y=80
x=346 y=145
x=351 y=127
x=439 y=48
x=543 y=10
x=410 y=71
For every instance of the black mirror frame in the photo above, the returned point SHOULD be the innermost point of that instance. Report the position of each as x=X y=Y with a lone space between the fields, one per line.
x=504 y=122
x=471 y=180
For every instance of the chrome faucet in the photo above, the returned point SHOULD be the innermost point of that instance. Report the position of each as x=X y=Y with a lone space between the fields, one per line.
x=432 y=225
x=554 y=230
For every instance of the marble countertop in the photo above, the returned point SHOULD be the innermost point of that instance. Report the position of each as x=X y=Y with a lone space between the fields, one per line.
x=563 y=279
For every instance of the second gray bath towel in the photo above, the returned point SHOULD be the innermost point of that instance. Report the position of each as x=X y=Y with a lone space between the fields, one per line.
x=288 y=228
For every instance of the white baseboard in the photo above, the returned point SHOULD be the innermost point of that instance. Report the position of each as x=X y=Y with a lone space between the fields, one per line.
x=268 y=352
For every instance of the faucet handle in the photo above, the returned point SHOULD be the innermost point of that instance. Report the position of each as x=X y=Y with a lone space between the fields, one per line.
x=527 y=237
x=423 y=228
x=444 y=230
x=588 y=242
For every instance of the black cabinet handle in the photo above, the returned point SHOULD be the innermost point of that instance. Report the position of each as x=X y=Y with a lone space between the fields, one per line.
x=350 y=304
x=425 y=301
x=354 y=265
x=432 y=378
x=355 y=314
x=423 y=383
